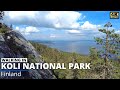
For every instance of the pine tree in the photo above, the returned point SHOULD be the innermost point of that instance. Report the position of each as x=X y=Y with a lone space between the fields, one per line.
x=11 y=27
x=93 y=53
x=110 y=45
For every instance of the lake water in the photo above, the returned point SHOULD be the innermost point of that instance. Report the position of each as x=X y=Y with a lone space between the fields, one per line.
x=81 y=47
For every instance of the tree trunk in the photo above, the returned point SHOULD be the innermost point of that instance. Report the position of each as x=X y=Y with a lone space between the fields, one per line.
x=106 y=55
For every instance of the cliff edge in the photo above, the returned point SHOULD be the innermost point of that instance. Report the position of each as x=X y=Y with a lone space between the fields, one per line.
x=14 y=45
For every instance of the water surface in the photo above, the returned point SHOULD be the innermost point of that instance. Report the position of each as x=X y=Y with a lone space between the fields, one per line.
x=81 y=47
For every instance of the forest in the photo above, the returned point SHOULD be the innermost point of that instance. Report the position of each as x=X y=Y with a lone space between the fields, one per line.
x=98 y=68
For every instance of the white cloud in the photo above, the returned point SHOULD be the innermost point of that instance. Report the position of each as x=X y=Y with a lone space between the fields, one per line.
x=118 y=31
x=71 y=21
x=86 y=29
x=17 y=28
x=52 y=36
x=27 y=30
x=64 y=19
x=88 y=26
x=31 y=29
x=50 y=19
x=73 y=31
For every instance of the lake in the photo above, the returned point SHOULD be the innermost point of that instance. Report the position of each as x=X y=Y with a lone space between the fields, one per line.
x=81 y=47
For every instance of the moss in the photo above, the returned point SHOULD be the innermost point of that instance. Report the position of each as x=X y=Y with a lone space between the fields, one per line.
x=2 y=30
x=31 y=58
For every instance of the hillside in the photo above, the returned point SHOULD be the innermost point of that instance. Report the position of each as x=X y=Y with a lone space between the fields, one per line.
x=14 y=45
x=97 y=64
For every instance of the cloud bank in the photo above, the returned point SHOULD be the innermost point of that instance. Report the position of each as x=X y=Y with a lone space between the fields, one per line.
x=71 y=22
x=49 y=19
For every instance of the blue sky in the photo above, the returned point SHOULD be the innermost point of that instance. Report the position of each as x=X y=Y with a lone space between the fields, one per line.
x=60 y=25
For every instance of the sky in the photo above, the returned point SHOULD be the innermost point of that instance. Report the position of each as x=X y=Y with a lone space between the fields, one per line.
x=60 y=25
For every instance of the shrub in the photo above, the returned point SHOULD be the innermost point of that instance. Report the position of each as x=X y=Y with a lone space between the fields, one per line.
x=3 y=30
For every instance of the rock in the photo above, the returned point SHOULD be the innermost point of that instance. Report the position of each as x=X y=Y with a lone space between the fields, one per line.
x=1 y=38
x=14 y=45
x=0 y=25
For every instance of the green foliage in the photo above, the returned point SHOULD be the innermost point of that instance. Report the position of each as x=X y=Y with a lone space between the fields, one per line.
x=108 y=25
x=3 y=30
x=93 y=53
x=99 y=40
x=115 y=44
x=75 y=72
x=97 y=65
x=110 y=45
x=31 y=58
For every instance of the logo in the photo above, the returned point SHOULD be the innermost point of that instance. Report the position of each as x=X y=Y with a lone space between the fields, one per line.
x=114 y=15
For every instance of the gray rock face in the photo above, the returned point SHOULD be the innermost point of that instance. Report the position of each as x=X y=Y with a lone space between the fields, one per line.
x=1 y=38
x=14 y=45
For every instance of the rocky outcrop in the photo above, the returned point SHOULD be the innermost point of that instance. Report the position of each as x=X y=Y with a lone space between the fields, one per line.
x=14 y=45
x=1 y=38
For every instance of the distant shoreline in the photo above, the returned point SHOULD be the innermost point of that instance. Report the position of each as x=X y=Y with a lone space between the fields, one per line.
x=49 y=43
x=39 y=42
